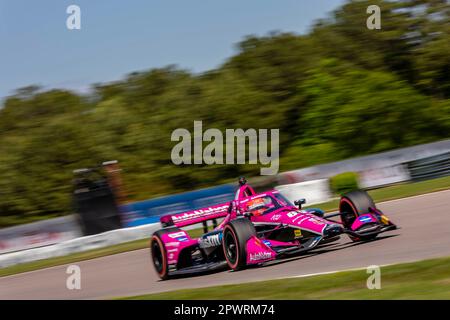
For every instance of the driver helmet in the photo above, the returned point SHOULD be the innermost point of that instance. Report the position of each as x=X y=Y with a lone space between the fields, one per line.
x=257 y=206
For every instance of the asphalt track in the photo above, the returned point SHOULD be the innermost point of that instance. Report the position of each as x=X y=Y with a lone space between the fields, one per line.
x=424 y=233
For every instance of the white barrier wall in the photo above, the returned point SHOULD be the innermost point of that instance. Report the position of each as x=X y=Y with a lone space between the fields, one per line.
x=378 y=177
x=79 y=244
x=39 y=234
x=314 y=191
x=381 y=163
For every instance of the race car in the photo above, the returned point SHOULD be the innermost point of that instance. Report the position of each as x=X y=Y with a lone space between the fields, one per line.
x=257 y=228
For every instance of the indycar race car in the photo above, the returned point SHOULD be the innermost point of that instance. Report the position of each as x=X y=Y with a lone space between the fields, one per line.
x=257 y=228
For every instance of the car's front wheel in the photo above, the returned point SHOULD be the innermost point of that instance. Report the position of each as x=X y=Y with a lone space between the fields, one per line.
x=351 y=206
x=234 y=242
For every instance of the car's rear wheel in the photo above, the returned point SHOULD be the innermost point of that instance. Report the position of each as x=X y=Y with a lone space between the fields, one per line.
x=234 y=242
x=352 y=205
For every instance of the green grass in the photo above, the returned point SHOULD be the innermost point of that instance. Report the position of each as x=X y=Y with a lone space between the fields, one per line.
x=397 y=191
x=382 y=194
x=428 y=279
x=410 y=189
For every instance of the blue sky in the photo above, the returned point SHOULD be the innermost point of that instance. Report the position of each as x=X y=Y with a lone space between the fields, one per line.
x=119 y=37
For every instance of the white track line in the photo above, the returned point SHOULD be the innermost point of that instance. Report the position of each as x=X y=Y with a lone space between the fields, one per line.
x=417 y=196
x=337 y=271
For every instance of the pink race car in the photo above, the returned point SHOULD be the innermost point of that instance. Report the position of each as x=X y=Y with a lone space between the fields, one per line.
x=257 y=228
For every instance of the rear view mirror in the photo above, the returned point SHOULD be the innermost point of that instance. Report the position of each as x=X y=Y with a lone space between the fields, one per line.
x=300 y=202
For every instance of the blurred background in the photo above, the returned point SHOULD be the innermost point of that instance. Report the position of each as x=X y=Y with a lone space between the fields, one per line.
x=335 y=89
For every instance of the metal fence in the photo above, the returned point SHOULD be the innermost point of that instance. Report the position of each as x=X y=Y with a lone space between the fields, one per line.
x=430 y=167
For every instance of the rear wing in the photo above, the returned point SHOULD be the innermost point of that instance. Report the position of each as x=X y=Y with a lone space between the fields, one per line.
x=195 y=216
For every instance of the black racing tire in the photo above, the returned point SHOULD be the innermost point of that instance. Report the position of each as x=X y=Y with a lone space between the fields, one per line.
x=234 y=242
x=352 y=205
x=159 y=253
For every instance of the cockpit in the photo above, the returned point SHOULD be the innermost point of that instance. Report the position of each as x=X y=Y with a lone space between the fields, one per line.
x=264 y=204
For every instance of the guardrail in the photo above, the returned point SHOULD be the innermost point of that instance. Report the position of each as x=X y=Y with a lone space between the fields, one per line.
x=430 y=167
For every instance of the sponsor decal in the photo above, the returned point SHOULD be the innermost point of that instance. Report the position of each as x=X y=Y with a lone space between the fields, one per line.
x=172 y=244
x=211 y=241
x=260 y=256
x=258 y=242
x=199 y=213
x=182 y=239
x=276 y=217
x=301 y=220
x=384 y=219
x=365 y=219
x=177 y=234
x=315 y=221
x=267 y=243
x=172 y=250
x=292 y=214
